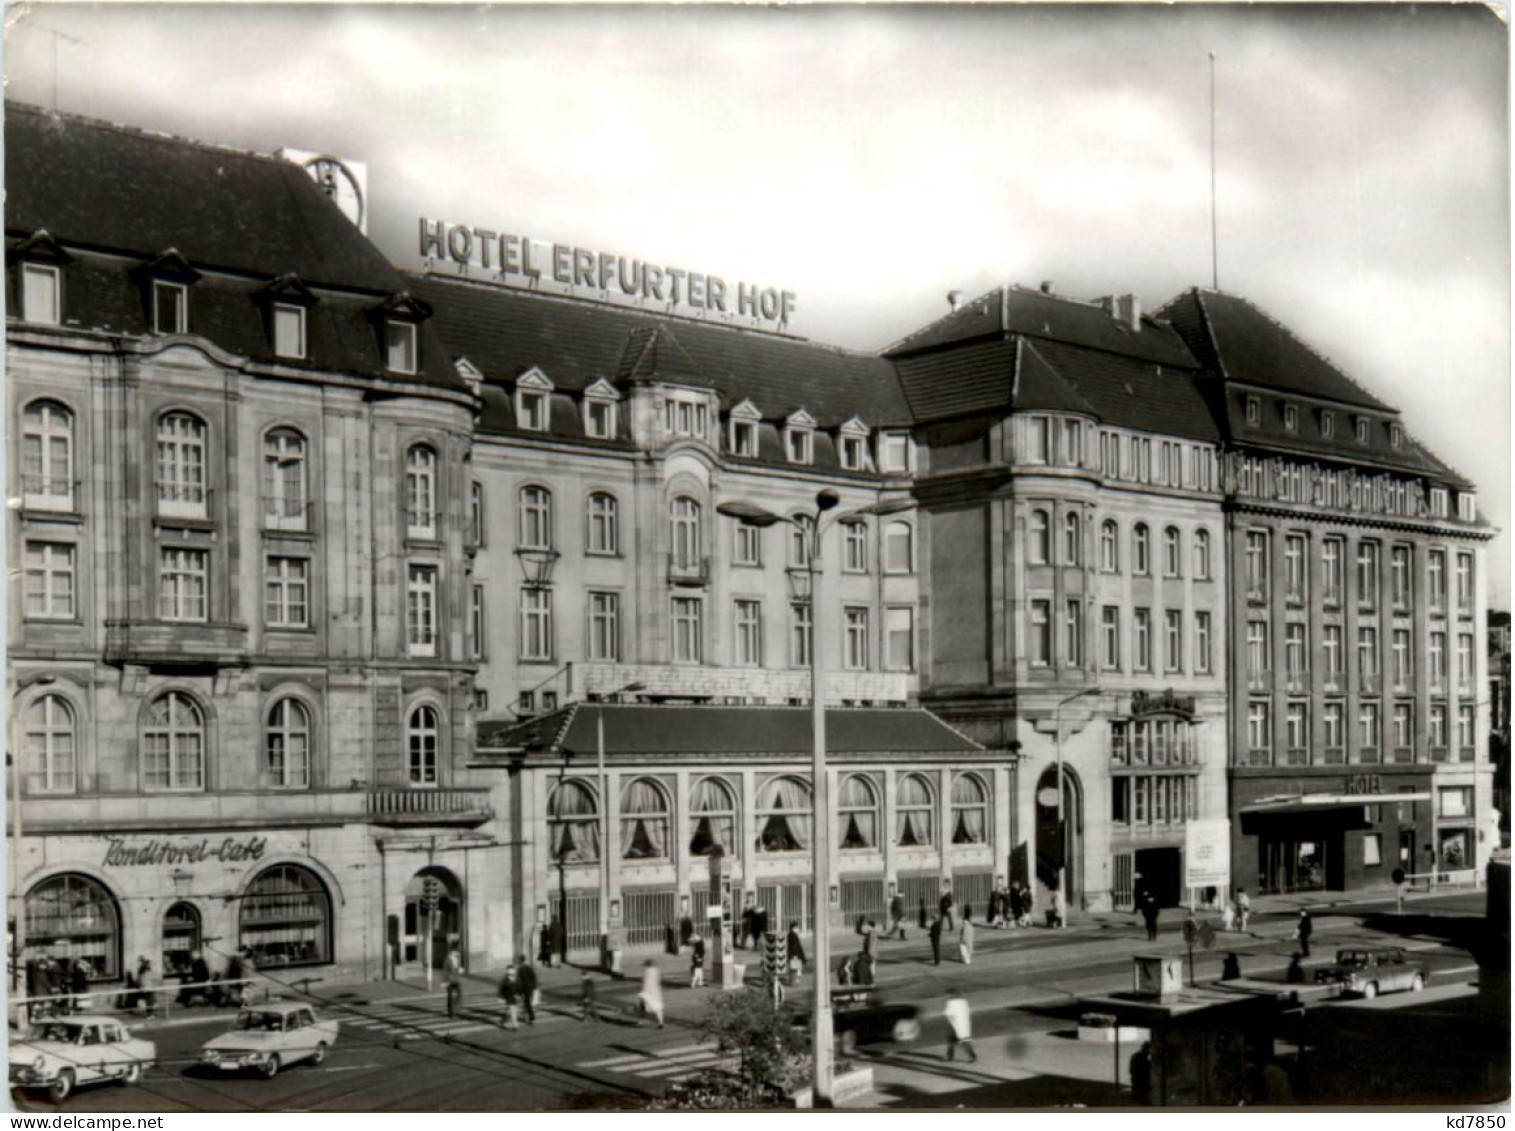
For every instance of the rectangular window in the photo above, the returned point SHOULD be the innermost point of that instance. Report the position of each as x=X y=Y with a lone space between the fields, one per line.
x=749 y=634
x=1295 y=569
x=895 y=452
x=421 y=610
x=1039 y=646
x=1257 y=564
x=1367 y=574
x=855 y=656
x=536 y=623
x=532 y=407
x=854 y=453
x=604 y=626
x=1399 y=576
x=1141 y=655
x=1465 y=583
x=1454 y=801
x=1202 y=643
x=748 y=549
x=899 y=638
x=289 y=330
x=1436 y=578
x=170 y=307
x=1436 y=729
x=1039 y=439
x=798 y=442
x=1073 y=442
x=1367 y=652
x=1259 y=655
x=1372 y=849
x=400 y=347
x=182 y=584
x=801 y=634
x=1296 y=656
x=50 y=580
x=1404 y=726
x=1109 y=454
x=599 y=420
x=855 y=547
x=744 y=438
x=1465 y=741
x=686 y=417
x=476 y=515
x=40 y=291
x=1465 y=660
x=899 y=553
x=476 y=622
x=1404 y=662
x=1073 y=633
x=1467 y=506
x=1110 y=635
x=1260 y=725
x=1173 y=640
x=1367 y=730
x=1332 y=552
x=286 y=601
x=1436 y=658
x=1331 y=651
x=1331 y=717
x=688 y=630
x=1297 y=731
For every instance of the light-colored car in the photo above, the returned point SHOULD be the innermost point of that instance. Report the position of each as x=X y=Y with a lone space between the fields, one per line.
x=62 y=1054
x=269 y=1037
x=1372 y=970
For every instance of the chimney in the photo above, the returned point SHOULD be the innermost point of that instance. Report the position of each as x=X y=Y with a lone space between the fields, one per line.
x=954 y=300
x=1128 y=308
x=1046 y=286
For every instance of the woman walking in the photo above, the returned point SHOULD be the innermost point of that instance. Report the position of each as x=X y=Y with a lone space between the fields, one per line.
x=651 y=997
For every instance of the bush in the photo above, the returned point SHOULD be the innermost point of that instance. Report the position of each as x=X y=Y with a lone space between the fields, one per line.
x=773 y=1050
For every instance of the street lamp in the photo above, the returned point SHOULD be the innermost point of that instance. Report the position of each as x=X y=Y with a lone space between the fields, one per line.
x=1062 y=831
x=603 y=784
x=750 y=514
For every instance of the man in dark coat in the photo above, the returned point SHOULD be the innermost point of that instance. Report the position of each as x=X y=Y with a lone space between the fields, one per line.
x=748 y=916
x=559 y=934
x=759 y=927
x=1149 y=914
x=897 y=916
x=936 y=941
x=526 y=977
x=1141 y=1075
x=944 y=908
x=1305 y=930
x=794 y=949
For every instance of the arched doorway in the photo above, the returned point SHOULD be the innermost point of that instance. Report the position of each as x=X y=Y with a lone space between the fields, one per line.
x=73 y=916
x=181 y=938
x=433 y=918
x=1058 y=847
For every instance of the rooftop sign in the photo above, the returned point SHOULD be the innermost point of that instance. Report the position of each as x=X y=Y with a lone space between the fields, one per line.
x=582 y=269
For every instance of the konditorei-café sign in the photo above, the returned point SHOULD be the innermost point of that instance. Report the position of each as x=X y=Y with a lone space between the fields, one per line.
x=120 y=852
x=581 y=268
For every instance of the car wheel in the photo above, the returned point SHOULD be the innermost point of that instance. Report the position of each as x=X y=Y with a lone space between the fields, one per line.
x=849 y=1042
x=62 y=1086
x=1417 y=984
x=133 y=1074
x=1370 y=991
x=319 y=1055
x=905 y=1030
x=270 y=1067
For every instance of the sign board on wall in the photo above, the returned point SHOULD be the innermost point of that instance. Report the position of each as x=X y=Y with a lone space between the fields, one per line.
x=1207 y=854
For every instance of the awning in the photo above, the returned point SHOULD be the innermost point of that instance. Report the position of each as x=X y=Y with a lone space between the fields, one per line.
x=1317 y=802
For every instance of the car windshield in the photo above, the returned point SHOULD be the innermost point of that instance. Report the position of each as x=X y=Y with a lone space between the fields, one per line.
x=270 y=1021
x=68 y=1034
x=1352 y=958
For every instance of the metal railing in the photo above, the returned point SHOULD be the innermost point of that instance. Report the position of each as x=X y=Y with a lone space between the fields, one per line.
x=421 y=802
x=688 y=571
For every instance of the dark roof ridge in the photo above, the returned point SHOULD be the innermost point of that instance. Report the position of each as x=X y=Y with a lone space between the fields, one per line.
x=1197 y=367
x=1079 y=403
x=643 y=312
x=919 y=330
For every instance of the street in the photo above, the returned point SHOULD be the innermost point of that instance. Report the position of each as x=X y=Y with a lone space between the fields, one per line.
x=399 y=1051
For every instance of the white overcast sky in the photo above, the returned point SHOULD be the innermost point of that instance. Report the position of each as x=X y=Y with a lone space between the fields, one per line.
x=870 y=159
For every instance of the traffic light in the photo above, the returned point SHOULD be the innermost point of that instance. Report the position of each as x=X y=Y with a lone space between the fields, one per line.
x=773 y=957
x=431 y=894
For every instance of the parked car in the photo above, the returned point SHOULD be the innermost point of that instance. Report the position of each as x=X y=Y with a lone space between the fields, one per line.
x=269 y=1037
x=1373 y=970
x=62 y=1054
x=859 y=1016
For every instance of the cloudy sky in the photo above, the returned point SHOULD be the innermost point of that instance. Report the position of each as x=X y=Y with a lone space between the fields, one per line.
x=870 y=159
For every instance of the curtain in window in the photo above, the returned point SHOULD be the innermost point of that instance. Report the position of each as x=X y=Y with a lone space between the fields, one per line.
x=859 y=811
x=715 y=821
x=644 y=822
x=969 y=807
x=576 y=838
x=787 y=827
x=912 y=816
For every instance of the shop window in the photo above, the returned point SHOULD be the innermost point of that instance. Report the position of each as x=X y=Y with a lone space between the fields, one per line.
x=784 y=816
x=573 y=823
x=857 y=813
x=74 y=917
x=181 y=939
x=285 y=918
x=644 y=821
x=713 y=808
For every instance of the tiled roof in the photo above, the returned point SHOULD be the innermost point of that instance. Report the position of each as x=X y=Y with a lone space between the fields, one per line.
x=977 y=377
x=574 y=341
x=682 y=730
x=1038 y=385
x=1132 y=393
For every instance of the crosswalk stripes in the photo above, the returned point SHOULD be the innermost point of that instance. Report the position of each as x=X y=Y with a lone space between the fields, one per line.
x=665 y=1064
x=409 y=1022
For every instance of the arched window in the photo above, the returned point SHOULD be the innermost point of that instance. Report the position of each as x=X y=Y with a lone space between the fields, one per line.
x=284 y=479
x=573 y=823
x=1071 y=556
x=783 y=815
x=604 y=524
x=713 y=807
x=857 y=812
x=1141 y=549
x=181 y=465
x=288 y=745
x=47 y=456
x=686 y=540
x=421 y=740
x=800 y=531
x=285 y=918
x=421 y=492
x=644 y=821
x=899 y=547
x=181 y=938
x=1172 y=552
x=914 y=813
x=1039 y=538
x=1202 y=554
x=1109 y=546
x=970 y=810
x=50 y=746
x=173 y=744
x=72 y=916
x=534 y=518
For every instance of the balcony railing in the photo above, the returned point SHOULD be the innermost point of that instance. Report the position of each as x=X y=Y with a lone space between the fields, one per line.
x=688 y=571
x=1402 y=754
x=1333 y=755
x=183 y=500
x=1259 y=757
x=1296 y=756
x=428 y=806
x=280 y=513
x=1368 y=754
x=49 y=493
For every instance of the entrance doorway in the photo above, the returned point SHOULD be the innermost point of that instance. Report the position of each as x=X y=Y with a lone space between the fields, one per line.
x=433 y=919
x=1159 y=871
x=1303 y=860
x=1060 y=846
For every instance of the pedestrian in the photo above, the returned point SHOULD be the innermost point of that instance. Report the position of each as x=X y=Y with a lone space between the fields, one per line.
x=1028 y=905
x=199 y=978
x=510 y=996
x=452 y=972
x=651 y=997
x=965 y=938
x=844 y=972
x=794 y=951
x=1295 y=973
x=588 y=1006
x=759 y=927
x=1228 y=916
x=944 y=908
x=1243 y=908
x=921 y=918
x=1141 y=1074
x=526 y=975
x=559 y=936
x=936 y=941
x=960 y=1021
x=862 y=969
x=1055 y=910
x=1149 y=915
x=1230 y=969
x=870 y=931
x=897 y=917
x=249 y=988
x=747 y=916
x=1303 y=931
x=147 y=983
x=1006 y=919
x=696 y=961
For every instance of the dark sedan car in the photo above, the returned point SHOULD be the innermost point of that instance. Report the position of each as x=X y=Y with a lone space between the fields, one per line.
x=860 y=1017
x=1371 y=970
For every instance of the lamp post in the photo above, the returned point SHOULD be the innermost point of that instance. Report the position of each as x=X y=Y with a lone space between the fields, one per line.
x=603 y=783
x=1062 y=831
x=750 y=514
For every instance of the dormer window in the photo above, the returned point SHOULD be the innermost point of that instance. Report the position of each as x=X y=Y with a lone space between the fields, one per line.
x=1254 y=412
x=1396 y=435
x=1361 y=424
x=41 y=293
x=289 y=330
x=1438 y=502
x=1467 y=506
x=799 y=437
x=894 y=453
x=1291 y=418
x=534 y=401
x=400 y=346
x=854 y=446
x=600 y=410
x=170 y=307
x=1327 y=424
x=744 y=438
x=687 y=416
